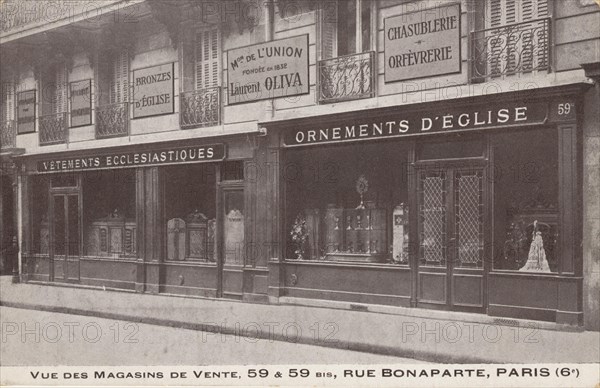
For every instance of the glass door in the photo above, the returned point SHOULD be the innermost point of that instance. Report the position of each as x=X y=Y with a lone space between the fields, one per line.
x=65 y=236
x=452 y=236
x=232 y=248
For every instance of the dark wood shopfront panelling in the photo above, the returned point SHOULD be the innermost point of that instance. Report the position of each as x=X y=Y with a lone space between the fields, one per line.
x=553 y=296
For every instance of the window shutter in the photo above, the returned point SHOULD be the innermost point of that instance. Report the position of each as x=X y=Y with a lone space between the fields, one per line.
x=208 y=56
x=329 y=19
x=524 y=50
x=119 y=88
x=8 y=101
x=60 y=93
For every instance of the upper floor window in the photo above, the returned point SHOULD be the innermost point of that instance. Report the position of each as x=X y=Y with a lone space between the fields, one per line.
x=112 y=113
x=52 y=121
x=54 y=90
x=200 y=100
x=515 y=38
x=346 y=70
x=346 y=27
x=503 y=12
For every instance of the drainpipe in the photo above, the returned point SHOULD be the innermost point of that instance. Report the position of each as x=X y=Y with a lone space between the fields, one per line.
x=269 y=12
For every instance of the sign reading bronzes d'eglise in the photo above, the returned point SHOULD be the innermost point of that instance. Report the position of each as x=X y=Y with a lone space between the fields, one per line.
x=268 y=70
x=422 y=123
x=204 y=153
x=81 y=103
x=422 y=44
x=153 y=91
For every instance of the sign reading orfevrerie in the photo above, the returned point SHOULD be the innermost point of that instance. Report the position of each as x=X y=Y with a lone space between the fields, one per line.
x=268 y=70
x=81 y=103
x=153 y=91
x=422 y=44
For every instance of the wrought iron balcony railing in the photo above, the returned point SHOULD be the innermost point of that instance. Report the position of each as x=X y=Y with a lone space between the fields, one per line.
x=112 y=120
x=8 y=132
x=349 y=77
x=200 y=108
x=53 y=129
x=512 y=49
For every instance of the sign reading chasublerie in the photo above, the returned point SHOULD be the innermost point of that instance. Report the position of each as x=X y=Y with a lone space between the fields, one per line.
x=422 y=44
x=204 y=153
x=273 y=69
x=421 y=123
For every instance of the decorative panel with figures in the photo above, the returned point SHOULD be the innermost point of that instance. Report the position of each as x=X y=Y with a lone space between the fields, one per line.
x=192 y=239
x=112 y=236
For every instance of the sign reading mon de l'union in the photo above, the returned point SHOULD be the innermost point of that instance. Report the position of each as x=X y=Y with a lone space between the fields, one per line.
x=268 y=70
x=153 y=91
x=422 y=44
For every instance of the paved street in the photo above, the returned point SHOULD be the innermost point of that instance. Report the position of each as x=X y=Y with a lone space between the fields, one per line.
x=32 y=337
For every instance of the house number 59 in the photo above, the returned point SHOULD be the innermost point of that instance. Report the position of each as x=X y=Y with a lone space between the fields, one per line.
x=564 y=109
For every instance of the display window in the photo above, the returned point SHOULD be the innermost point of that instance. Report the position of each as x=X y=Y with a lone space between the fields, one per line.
x=348 y=203
x=526 y=206
x=190 y=212
x=109 y=213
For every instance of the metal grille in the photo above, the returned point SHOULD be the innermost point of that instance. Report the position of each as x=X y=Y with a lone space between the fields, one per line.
x=349 y=77
x=8 y=134
x=200 y=108
x=112 y=120
x=432 y=213
x=516 y=48
x=53 y=129
x=469 y=219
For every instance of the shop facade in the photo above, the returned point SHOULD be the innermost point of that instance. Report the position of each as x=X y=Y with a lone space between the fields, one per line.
x=307 y=155
x=470 y=205
x=162 y=218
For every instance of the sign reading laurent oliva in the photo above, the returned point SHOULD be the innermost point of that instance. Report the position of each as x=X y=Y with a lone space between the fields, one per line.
x=422 y=44
x=422 y=123
x=268 y=70
x=204 y=153
x=153 y=91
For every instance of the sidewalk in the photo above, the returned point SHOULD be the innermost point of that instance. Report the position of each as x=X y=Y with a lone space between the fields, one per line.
x=438 y=337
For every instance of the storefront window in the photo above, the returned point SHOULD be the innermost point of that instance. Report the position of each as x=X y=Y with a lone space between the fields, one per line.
x=190 y=212
x=348 y=203
x=109 y=214
x=526 y=201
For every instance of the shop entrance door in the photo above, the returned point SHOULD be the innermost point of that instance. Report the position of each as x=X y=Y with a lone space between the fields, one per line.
x=65 y=237
x=452 y=231
x=231 y=241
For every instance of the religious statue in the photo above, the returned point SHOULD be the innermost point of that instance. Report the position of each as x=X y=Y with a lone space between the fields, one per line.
x=536 y=259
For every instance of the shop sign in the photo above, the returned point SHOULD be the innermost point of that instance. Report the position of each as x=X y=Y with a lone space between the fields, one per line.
x=420 y=44
x=205 y=153
x=26 y=111
x=81 y=103
x=422 y=123
x=268 y=70
x=153 y=91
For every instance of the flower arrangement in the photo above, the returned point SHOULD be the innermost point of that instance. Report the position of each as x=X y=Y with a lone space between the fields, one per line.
x=299 y=235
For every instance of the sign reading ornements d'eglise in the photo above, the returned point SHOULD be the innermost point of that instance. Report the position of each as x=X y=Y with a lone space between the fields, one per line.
x=421 y=123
